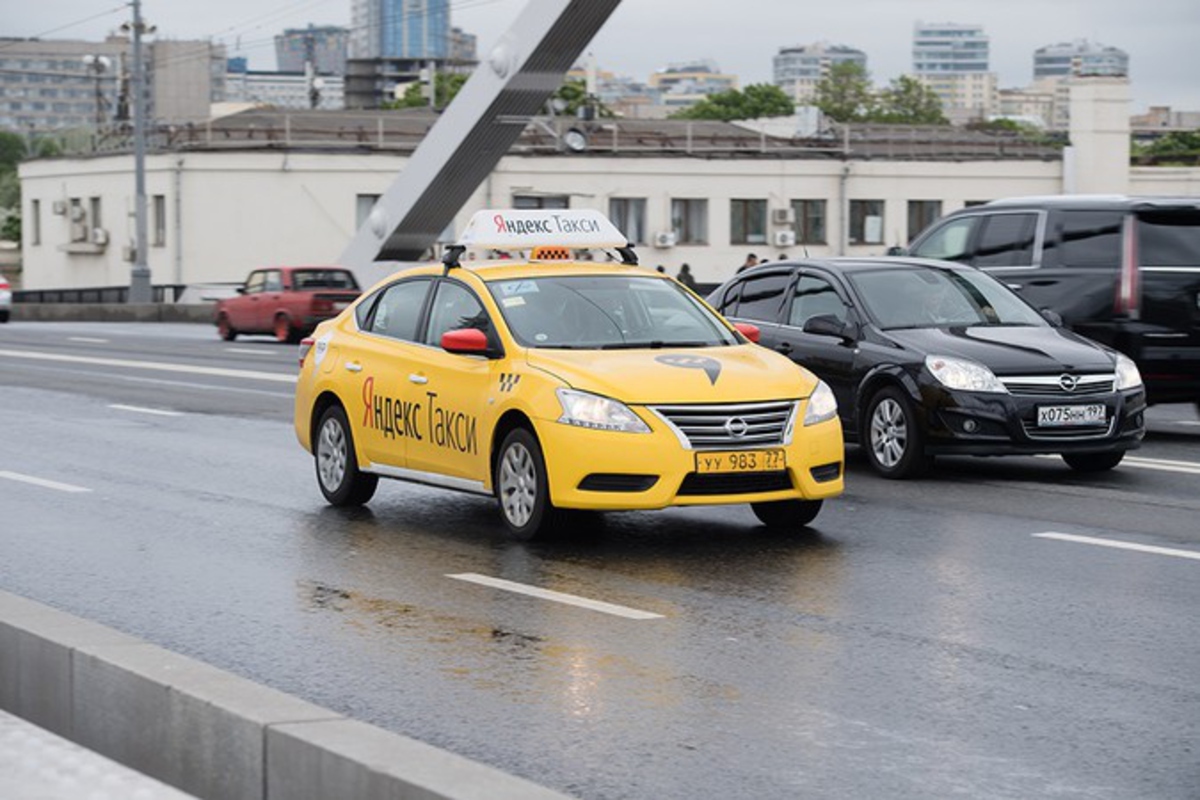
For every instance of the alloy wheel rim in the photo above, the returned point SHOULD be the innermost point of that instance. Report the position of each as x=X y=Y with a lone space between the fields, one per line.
x=518 y=485
x=889 y=433
x=331 y=455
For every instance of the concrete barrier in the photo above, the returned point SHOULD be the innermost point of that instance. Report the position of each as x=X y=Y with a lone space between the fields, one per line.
x=208 y=732
x=113 y=312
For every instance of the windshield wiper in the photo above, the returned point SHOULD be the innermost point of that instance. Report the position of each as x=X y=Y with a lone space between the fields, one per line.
x=656 y=344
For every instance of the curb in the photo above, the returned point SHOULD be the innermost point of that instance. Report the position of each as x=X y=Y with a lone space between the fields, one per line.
x=211 y=733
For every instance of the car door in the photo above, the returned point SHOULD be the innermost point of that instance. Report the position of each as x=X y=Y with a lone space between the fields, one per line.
x=452 y=389
x=242 y=309
x=831 y=356
x=268 y=304
x=382 y=401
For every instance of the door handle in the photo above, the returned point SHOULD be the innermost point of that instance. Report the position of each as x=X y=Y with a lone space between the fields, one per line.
x=420 y=380
x=1016 y=287
x=784 y=347
x=353 y=366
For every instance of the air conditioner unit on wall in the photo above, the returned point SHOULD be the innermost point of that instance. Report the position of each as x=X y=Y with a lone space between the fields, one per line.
x=785 y=238
x=664 y=239
x=99 y=236
x=783 y=216
x=59 y=207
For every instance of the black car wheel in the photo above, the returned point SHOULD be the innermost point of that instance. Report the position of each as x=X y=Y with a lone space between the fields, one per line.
x=225 y=329
x=342 y=483
x=786 y=514
x=895 y=444
x=1093 y=462
x=522 y=487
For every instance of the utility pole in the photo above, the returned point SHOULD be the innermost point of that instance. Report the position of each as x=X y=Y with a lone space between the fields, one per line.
x=140 y=290
x=310 y=69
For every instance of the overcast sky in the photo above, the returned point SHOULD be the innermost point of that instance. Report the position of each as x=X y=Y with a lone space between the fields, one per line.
x=742 y=36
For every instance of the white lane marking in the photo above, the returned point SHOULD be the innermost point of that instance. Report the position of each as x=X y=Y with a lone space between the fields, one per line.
x=1119 y=545
x=1160 y=464
x=87 y=339
x=557 y=597
x=247 y=352
x=152 y=365
x=143 y=410
x=45 y=484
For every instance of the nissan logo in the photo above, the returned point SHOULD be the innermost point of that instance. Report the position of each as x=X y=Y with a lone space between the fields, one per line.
x=1068 y=382
x=736 y=427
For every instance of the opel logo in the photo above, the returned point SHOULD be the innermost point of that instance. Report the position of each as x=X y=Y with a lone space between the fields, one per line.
x=1068 y=382
x=736 y=427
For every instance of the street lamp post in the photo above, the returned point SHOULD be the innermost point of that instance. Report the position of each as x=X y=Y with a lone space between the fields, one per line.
x=140 y=290
x=98 y=65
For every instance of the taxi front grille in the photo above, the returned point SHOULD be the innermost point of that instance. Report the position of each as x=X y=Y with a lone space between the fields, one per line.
x=1065 y=386
x=730 y=425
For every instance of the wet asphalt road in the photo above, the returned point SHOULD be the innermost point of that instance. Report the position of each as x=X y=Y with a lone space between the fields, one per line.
x=922 y=641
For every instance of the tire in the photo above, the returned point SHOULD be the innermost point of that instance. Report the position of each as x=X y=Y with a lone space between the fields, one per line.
x=337 y=466
x=3 y=316
x=225 y=330
x=786 y=514
x=284 y=332
x=1093 y=462
x=522 y=488
x=892 y=437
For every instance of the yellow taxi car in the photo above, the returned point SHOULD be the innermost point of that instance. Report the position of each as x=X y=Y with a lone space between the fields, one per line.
x=557 y=384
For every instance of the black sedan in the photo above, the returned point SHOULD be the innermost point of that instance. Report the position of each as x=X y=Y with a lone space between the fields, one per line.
x=929 y=357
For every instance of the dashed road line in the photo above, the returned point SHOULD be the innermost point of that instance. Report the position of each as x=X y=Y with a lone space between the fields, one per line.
x=1120 y=545
x=87 y=340
x=143 y=410
x=151 y=365
x=45 y=484
x=557 y=597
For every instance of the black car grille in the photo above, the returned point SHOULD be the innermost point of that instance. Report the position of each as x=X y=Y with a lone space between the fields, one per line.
x=1062 y=386
x=617 y=482
x=734 y=483
x=710 y=427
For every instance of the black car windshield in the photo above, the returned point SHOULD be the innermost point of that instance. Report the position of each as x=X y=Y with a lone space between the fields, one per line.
x=925 y=297
x=323 y=279
x=606 y=312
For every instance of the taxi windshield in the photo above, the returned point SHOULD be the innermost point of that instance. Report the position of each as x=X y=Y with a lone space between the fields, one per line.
x=606 y=312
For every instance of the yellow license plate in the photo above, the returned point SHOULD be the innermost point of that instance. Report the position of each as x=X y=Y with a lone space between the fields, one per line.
x=742 y=461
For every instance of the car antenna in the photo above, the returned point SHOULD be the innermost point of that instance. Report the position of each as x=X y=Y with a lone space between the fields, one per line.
x=450 y=259
x=627 y=255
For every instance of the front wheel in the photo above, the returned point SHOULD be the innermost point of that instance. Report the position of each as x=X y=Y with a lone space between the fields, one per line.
x=786 y=514
x=522 y=487
x=1093 y=462
x=342 y=483
x=895 y=443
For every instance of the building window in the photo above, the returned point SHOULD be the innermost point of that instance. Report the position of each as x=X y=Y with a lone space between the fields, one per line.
x=810 y=221
x=160 y=221
x=541 y=201
x=79 y=223
x=689 y=220
x=747 y=221
x=922 y=214
x=363 y=203
x=866 y=222
x=629 y=215
x=35 y=221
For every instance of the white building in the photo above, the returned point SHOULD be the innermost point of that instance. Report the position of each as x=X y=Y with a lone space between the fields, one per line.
x=799 y=69
x=269 y=188
x=284 y=89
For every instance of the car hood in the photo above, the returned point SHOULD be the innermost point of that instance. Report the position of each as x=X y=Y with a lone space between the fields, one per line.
x=1010 y=350
x=740 y=373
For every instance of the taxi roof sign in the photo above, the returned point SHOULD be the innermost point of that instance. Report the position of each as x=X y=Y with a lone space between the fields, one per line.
x=525 y=229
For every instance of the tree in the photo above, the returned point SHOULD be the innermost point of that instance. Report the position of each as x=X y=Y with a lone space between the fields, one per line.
x=907 y=101
x=758 y=100
x=447 y=85
x=844 y=95
x=1176 y=147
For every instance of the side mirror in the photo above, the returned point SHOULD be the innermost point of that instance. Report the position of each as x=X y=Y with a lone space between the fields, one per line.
x=751 y=332
x=825 y=325
x=466 y=341
x=241 y=290
x=1052 y=316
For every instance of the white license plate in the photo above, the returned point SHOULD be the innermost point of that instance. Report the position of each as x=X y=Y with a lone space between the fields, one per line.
x=1064 y=416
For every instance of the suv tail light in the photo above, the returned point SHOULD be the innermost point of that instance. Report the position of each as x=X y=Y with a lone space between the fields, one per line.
x=1128 y=299
x=306 y=344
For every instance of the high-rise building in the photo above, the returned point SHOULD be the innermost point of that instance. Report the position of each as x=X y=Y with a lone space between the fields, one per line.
x=939 y=48
x=685 y=84
x=400 y=29
x=1079 y=57
x=326 y=45
x=798 y=70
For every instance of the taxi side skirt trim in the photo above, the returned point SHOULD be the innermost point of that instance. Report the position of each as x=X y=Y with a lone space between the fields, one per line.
x=429 y=479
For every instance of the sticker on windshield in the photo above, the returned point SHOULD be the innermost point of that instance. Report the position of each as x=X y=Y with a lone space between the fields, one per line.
x=510 y=302
x=514 y=288
x=711 y=367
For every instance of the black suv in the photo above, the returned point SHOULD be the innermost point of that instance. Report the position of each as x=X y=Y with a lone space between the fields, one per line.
x=1124 y=271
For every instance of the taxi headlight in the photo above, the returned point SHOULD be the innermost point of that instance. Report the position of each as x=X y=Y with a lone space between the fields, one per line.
x=822 y=405
x=601 y=413
x=1128 y=375
x=967 y=376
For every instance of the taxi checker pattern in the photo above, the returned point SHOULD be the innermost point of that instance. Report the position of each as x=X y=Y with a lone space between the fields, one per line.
x=555 y=384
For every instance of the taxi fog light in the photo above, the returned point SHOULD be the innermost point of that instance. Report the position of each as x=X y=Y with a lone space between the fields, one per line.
x=822 y=405
x=964 y=375
x=1128 y=376
x=601 y=413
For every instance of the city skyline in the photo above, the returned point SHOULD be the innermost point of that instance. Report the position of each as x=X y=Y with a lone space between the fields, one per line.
x=641 y=37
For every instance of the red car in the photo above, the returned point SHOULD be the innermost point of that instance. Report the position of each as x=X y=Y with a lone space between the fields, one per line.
x=287 y=302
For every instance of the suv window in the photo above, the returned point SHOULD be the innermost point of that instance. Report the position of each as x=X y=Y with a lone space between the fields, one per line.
x=1083 y=239
x=948 y=242
x=1169 y=240
x=762 y=297
x=1005 y=240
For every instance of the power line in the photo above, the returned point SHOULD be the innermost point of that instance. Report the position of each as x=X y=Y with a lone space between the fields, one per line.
x=6 y=45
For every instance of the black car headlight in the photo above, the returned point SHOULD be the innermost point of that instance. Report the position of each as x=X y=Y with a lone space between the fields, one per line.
x=963 y=375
